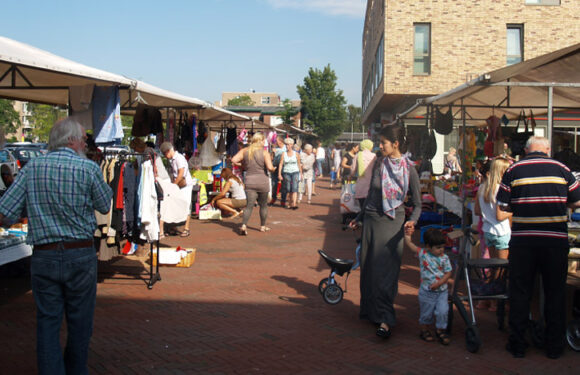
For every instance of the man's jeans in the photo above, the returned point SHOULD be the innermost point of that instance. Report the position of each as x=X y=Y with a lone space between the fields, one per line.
x=64 y=281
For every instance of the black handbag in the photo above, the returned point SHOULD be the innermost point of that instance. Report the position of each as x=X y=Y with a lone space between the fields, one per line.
x=443 y=123
x=518 y=140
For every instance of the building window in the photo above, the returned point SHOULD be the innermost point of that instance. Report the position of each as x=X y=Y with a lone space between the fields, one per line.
x=265 y=100
x=422 y=49
x=379 y=63
x=515 y=43
x=542 y=2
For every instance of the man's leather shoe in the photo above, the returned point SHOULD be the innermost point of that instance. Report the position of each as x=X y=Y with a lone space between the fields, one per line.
x=515 y=352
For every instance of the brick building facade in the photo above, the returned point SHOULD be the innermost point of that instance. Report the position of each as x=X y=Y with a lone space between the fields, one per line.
x=420 y=48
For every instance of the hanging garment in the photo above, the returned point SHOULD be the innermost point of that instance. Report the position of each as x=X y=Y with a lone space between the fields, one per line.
x=176 y=203
x=129 y=196
x=147 y=120
x=443 y=123
x=81 y=108
x=208 y=155
x=148 y=211
x=107 y=125
x=202 y=132
x=221 y=144
x=231 y=141
x=194 y=134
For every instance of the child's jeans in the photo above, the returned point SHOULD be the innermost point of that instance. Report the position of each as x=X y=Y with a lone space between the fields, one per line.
x=433 y=303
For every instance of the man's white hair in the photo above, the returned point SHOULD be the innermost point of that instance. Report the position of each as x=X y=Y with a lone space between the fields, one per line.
x=64 y=132
x=535 y=140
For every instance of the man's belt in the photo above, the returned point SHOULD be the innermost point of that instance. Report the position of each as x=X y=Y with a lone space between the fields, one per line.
x=65 y=245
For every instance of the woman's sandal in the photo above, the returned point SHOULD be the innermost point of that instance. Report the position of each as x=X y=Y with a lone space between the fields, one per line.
x=243 y=231
x=383 y=332
x=265 y=229
x=426 y=335
x=185 y=233
x=443 y=337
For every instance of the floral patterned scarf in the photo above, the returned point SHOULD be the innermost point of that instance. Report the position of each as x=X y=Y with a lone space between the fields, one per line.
x=395 y=183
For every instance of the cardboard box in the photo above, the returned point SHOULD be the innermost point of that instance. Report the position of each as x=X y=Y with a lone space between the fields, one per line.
x=184 y=262
x=213 y=214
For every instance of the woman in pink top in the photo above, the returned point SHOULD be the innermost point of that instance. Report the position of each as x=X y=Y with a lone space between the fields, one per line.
x=363 y=167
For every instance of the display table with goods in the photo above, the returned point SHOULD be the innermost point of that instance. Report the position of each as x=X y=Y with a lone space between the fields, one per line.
x=451 y=197
x=13 y=245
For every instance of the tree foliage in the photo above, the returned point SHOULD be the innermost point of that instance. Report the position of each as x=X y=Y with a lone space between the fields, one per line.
x=288 y=113
x=353 y=119
x=242 y=100
x=9 y=118
x=323 y=104
x=42 y=117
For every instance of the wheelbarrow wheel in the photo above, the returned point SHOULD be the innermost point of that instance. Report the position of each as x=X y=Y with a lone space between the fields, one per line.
x=472 y=339
x=322 y=285
x=573 y=335
x=332 y=294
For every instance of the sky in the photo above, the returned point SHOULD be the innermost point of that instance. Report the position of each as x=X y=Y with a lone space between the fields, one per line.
x=201 y=48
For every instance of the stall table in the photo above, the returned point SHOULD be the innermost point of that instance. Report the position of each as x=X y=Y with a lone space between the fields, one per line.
x=13 y=249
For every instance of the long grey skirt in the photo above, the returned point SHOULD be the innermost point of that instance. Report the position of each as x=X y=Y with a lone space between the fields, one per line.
x=381 y=251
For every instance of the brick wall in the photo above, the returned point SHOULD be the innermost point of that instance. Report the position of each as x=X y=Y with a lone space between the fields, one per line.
x=467 y=38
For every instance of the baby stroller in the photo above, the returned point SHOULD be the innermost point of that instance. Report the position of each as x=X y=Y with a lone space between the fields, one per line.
x=484 y=279
x=331 y=291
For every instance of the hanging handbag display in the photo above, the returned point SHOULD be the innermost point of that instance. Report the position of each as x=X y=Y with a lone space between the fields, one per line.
x=518 y=140
x=443 y=123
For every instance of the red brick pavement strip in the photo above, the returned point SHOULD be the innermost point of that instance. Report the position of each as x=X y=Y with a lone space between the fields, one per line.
x=251 y=305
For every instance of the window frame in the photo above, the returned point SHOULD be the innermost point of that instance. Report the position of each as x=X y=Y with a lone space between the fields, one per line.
x=520 y=27
x=544 y=3
x=424 y=56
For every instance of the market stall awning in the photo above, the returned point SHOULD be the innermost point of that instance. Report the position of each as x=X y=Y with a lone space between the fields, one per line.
x=550 y=80
x=30 y=74
x=142 y=92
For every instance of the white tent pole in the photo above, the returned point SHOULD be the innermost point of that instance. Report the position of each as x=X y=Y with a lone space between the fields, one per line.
x=550 y=116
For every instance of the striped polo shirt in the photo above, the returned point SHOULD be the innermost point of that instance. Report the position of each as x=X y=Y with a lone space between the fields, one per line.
x=537 y=189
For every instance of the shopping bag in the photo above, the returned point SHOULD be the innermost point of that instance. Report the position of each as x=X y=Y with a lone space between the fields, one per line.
x=301 y=188
x=202 y=195
x=348 y=203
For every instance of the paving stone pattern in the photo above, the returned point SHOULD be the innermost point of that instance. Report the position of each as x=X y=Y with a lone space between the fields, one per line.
x=250 y=305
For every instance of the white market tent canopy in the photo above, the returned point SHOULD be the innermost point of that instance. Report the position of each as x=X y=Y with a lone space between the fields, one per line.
x=31 y=74
x=545 y=84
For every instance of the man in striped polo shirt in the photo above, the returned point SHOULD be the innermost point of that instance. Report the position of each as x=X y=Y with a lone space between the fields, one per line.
x=538 y=190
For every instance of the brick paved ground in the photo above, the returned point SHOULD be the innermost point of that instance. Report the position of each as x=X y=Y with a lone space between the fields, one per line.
x=251 y=305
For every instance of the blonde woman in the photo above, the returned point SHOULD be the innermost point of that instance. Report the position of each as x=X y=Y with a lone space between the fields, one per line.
x=290 y=173
x=256 y=162
x=452 y=165
x=496 y=230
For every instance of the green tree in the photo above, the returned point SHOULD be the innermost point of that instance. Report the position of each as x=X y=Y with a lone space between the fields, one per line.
x=288 y=113
x=323 y=104
x=241 y=100
x=42 y=117
x=354 y=119
x=9 y=118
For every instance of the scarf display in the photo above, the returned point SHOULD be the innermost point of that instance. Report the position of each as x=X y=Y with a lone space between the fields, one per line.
x=395 y=183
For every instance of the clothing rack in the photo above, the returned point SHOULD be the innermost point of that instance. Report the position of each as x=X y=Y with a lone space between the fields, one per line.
x=153 y=276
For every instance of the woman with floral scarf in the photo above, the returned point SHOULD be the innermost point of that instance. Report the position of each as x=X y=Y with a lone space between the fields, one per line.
x=383 y=222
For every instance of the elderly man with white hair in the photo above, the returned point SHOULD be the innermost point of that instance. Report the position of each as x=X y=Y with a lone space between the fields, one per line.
x=538 y=190
x=307 y=159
